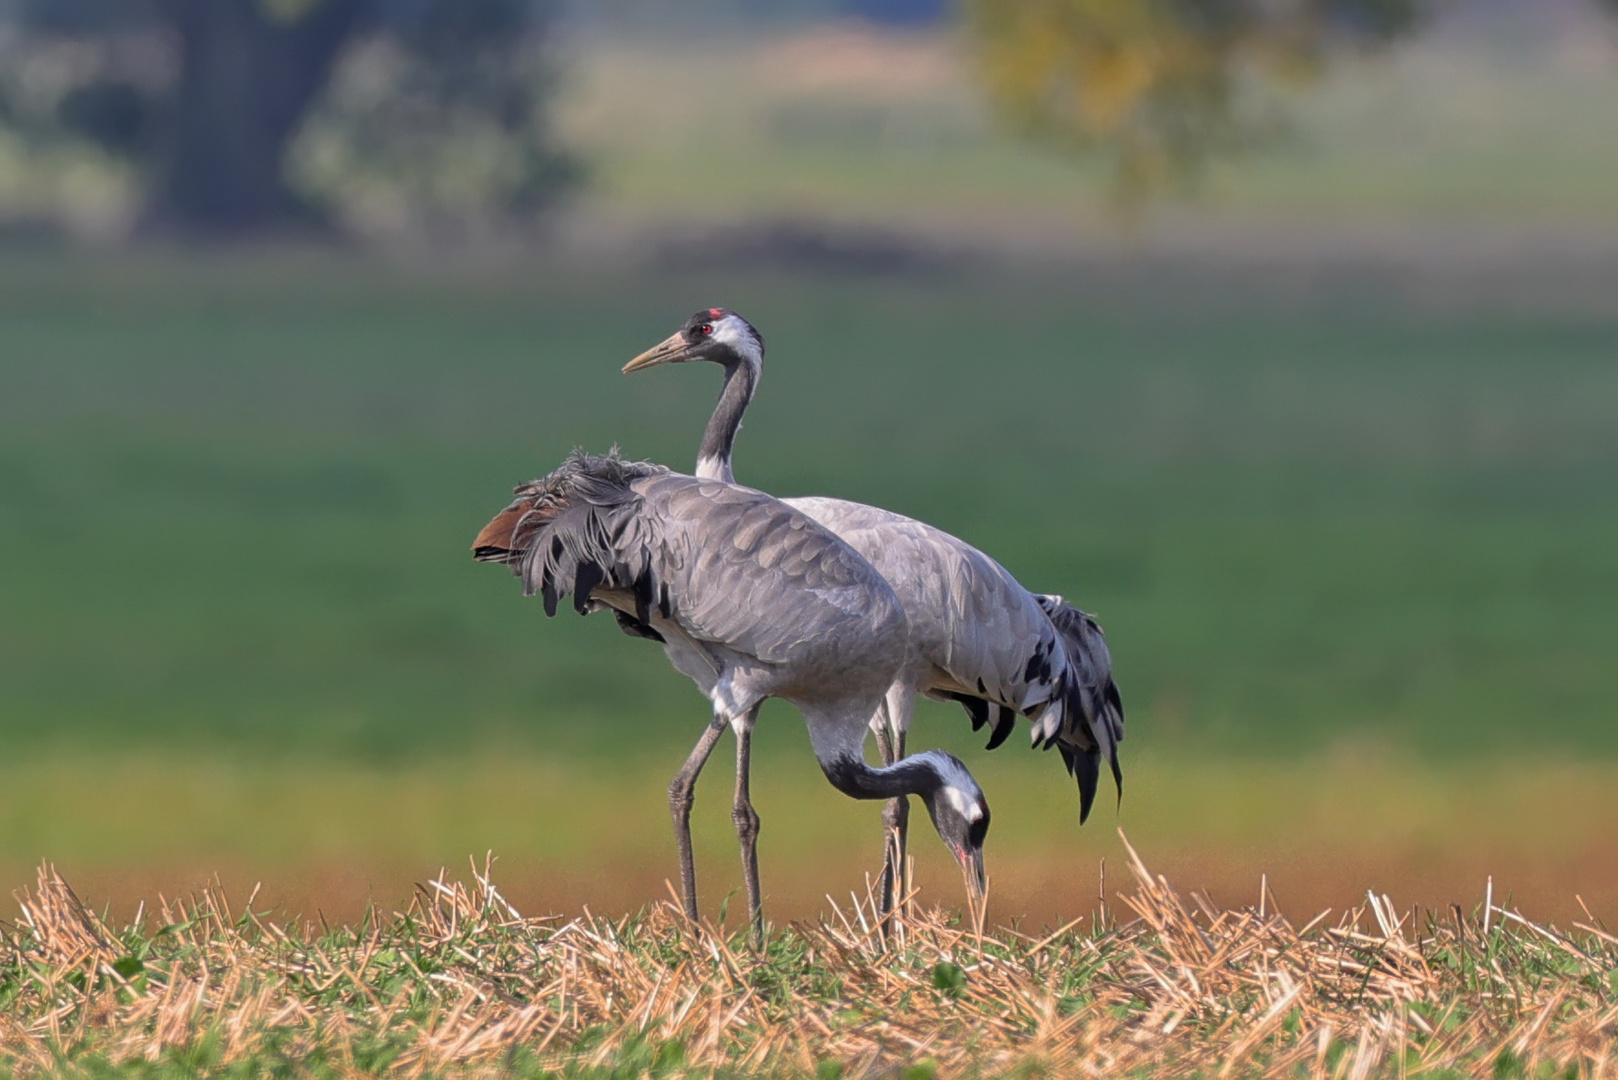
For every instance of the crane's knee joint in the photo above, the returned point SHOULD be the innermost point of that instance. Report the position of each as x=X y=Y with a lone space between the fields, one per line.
x=746 y=819
x=896 y=813
x=679 y=800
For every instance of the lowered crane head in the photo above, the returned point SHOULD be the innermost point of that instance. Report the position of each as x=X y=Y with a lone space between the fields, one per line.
x=960 y=813
x=953 y=799
x=714 y=334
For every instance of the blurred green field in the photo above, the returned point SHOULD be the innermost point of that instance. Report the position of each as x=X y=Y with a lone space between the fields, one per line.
x=236 y=498
x=1356 y=551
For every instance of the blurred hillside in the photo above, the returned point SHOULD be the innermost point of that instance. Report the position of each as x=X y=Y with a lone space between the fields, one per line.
x=1490 y=127
x=1475 y=127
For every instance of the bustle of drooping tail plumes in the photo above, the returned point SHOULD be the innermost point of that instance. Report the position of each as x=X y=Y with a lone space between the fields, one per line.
x=574 y=530
x=1092 y=724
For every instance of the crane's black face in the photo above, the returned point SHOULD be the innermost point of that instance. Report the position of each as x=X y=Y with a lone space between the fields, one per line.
x=713 y=334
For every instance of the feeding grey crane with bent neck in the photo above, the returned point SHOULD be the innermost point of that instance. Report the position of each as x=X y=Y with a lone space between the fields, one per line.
x=751 y=599
x=978 y=637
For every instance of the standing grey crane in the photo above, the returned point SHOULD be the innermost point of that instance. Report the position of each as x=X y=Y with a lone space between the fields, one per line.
x=751 y=599
x=978 y=637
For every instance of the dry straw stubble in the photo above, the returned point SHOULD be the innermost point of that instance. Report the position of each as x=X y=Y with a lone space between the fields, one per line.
x=462 y=984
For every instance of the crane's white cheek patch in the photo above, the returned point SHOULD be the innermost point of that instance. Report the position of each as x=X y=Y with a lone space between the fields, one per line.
x=962 y=803
x=731 y=331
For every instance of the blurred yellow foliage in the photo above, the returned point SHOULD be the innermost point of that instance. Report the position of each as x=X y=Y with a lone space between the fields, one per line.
x=1160 y=84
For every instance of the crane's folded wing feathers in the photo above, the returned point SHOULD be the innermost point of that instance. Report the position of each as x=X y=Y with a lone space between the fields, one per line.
x=729 y=564
x=750 y=571
x=1095 y=724
x=1002 y=649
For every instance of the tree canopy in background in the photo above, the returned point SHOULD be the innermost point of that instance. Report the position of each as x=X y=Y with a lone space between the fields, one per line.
x=252 y=117
x=1160 y=85
x=242 y=118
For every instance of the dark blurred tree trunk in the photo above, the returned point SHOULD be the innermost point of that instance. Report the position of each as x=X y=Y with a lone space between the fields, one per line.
x=247 y=80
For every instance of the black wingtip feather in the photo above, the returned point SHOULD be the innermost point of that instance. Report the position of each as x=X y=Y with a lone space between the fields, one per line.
x=977 y=710
x=585 y=579
x=643 y=596
x=1085 y=765
x=548 y=592
x=1003 y=725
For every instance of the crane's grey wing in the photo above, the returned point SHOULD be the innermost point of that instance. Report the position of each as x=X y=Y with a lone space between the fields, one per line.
x=969 y=618
x=730 y=565
x=757 y=575
x=995 y=646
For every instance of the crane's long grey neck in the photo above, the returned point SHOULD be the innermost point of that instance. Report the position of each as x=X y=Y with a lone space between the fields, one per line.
x=718 y=439
x=915 y=775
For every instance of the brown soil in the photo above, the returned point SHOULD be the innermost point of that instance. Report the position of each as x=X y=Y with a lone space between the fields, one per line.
x=1036 y=891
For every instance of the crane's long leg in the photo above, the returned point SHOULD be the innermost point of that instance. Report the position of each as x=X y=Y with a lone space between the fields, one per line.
x=900 y=825
x=889 y=889
x=680 y=789
x=746 y=819
x=890 y=741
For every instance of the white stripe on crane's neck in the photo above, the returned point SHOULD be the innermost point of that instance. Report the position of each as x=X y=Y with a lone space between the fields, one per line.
x=741 y=379
x=715 y=469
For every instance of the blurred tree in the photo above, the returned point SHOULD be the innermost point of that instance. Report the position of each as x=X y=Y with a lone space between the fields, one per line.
x=1159 y=84
x=441 y=122
x=207 y=97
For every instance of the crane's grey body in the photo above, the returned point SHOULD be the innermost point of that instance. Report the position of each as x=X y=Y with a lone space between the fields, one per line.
x=752 y=599
x=977 y=636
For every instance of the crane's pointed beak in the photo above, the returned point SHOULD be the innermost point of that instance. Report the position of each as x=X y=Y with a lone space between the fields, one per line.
x=670 y=350
x=977 y=888
x=977 y=878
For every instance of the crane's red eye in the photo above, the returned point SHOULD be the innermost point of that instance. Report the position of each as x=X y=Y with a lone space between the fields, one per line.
x=705 y=328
